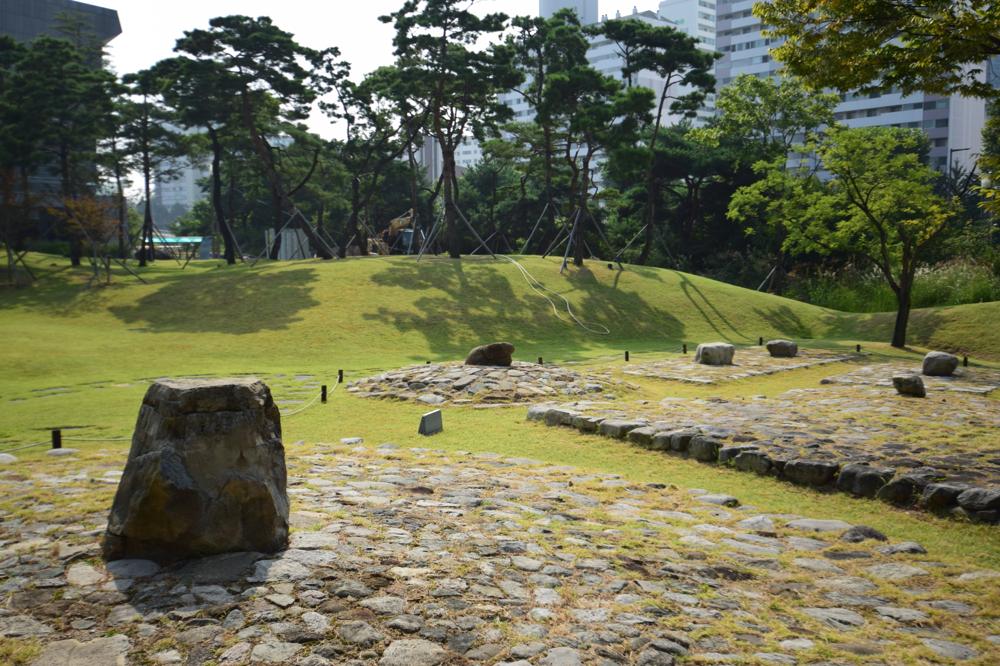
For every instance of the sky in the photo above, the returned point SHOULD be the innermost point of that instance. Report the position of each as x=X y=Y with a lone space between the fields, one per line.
x=150 y=29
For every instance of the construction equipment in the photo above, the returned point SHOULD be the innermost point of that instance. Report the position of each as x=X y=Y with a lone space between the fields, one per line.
x=386 y=241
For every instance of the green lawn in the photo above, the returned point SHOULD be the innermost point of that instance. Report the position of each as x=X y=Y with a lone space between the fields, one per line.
x=83 y=357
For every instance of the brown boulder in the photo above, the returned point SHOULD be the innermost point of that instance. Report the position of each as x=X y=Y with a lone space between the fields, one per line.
x=497 y=353
x=205 y=474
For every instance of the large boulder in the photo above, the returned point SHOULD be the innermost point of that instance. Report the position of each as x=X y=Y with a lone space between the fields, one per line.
x=205 y=474
x=497 y=353
x=715 y=353
x=939 y=364
x=910 y=385
x=782 y=349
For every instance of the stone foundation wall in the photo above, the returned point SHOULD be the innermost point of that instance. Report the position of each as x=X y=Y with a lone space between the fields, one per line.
x=922 y=489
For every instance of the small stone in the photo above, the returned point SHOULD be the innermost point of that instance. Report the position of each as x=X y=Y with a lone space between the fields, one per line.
x=106 y=651
x=859 y=533
x=525 y=563
x=905 y=547
x=16 y=626
x=385 y=605
x=359 y=633
x=715 y=353
x=816 y=473
x=950 y=650
x=838 y=618
x=795 y=644
x=82 y=575
x=281 y=600
x=980 y=499
x=562 y=656
x=909 y=385
x=939 y=364
x=274 y=652
x=812 y=525
x=413 y=652
x=895 y=572
x=168 y=657
x=901 y=614
x=720 y=500
x=782 y=349
x=7 y=459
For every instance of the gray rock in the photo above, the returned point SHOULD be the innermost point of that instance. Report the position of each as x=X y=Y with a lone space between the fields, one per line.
x=205 y=474
x=909 y=385
x=816 y=473
x=7 y=459
x=704 y=448
x=274 y=652
x=838 y=618
x=715 y=353
x=904 y=490
x=812 y=525
x=905 y=547
x=106 y=651
x=413 y=652
x=562 y=656
x=863 y=480
x=895 y=572
x=782 y=349
x=15 y=626
x=859 y=533
x=942 y=496
x=642 y=436
x=720 y=500
x=618 y=428
x=133 y=568
x=359 y=633
x=496 y=353
x=949 y=650
x=538 y=412
x=939 y=364
x=753 y=461
x=980 y=499
x=901 y=614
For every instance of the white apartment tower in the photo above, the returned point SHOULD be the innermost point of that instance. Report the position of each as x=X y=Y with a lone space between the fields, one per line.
x=586 y=10
x=952 y=124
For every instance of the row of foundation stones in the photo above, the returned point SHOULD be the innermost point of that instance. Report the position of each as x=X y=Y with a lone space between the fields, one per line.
x=921 y=488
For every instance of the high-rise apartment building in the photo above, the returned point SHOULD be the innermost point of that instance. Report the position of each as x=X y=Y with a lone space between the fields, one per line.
x=24 y=20
x=586 y=10
x=953 y=124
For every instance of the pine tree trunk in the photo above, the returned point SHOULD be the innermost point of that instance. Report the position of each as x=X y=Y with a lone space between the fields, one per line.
x=452 y=236
x=228 y=241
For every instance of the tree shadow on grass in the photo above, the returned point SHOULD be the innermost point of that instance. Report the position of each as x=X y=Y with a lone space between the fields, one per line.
x=784 y=319
x=237 y=303
x=711 y=314
x=467 y=304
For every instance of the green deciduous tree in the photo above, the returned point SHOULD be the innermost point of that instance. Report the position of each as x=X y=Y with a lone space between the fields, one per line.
x=936 y=46
x=453 y=81
x=877 y=201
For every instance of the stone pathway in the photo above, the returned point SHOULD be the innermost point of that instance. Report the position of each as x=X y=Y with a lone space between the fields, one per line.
x=748 y=362
x=966 y=380
x=459 y=384
x=409 y=557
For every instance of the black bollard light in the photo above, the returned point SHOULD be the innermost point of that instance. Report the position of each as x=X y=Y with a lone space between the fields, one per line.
x=685 y=347
x=857 y=348
x=760 y=341
x=322 y=393
x=340 y=376
x=57 y=438
x=626 y=357
x=965 y=361
x=540 y=361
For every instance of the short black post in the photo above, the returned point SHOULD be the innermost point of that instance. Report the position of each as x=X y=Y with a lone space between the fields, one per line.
x=57 y=439
x=760 y=341
x=685 y=347
x=965 y=361
x=428 y=362
x=322 y=393
x=626 y=357
x=858 y=349
x=340 y=376
x=540 y=361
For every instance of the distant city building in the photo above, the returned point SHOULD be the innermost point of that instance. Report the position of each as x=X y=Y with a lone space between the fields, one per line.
x=27 y=20
x=586 y=10
x=24 y=20
x=175 y=195
x=954 y=124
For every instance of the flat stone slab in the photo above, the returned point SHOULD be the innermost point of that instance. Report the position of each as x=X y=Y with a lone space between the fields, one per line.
x=456 y=383
x=749 y=362
x=492 y=560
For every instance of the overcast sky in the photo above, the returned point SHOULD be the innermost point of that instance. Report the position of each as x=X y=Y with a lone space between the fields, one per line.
x=149 y=29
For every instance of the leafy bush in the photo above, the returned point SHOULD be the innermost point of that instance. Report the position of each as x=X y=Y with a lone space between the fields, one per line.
x=852 y=290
